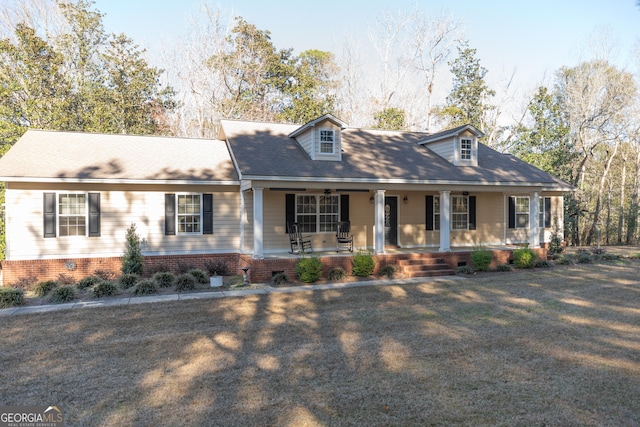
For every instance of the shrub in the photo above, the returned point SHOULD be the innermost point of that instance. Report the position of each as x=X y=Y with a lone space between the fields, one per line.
x=145 y=287
x=308 y=269
x=43 y=288
x=584 y=258
x=609 y=257
x=164 y=279
x=128 y=280
x=105 y=274
x=635 y=255
x=524 y=258
x=279 y=279
x=481 y=258
x=10 y=297
x=504 y=267
x=555 y=243
x=363 y=264
x=543 y=264
x=184 y=268
x=200 y=275
x=87 y=282
x=132 y=260
x=235 y=281
x=63 y=294
x=104 y=289
x=217 y=267
x=388 y=270
x=564 y=260
x=336 y=274
x=185 y=282
x=25 y=283
x=65 y=279
x=464 y=269
x=159 y=268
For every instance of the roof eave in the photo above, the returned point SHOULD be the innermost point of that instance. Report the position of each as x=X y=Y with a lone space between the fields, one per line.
x=116 y=181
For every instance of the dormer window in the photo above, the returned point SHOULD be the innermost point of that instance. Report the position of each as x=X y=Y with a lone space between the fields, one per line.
x=465 y=148
x=327 y=141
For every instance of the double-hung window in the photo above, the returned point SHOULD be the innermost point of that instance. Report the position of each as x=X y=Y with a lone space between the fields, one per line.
x=436 y=212
x=522 y=212
x=317 y=213
x=465 y=149
x=189 y=213
x=327 y=141
x=72 y=214
x=459 y=212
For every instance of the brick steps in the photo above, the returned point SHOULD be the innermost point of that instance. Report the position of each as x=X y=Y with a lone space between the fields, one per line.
x=425 y=267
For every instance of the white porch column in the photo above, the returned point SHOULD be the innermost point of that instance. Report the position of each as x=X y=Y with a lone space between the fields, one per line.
x=258 y=225
x=378 y=228
x=534 y=220
x=445 y=221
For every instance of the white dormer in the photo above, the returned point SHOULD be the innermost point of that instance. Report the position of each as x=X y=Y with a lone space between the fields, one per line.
x=321 y=138
x=459 y=145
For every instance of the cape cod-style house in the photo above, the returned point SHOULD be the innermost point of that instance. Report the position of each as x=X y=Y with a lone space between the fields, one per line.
x=71 y=196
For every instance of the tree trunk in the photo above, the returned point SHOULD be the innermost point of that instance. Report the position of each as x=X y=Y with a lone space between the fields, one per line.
x=596 y=212
x=621 y=208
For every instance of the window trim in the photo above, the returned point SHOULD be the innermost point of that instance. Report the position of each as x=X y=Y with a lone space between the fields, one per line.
x=453 y=204
x=318 y=214
x=466 y=151
x=178 y=214
x=332 y=143
x=436 y=213
x=59 y=216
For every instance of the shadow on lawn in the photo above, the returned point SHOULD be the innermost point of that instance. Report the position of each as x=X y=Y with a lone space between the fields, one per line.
x=526 y=348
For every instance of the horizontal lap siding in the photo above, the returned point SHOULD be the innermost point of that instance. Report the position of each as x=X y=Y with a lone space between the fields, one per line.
x=119 y=209
x=489 y=222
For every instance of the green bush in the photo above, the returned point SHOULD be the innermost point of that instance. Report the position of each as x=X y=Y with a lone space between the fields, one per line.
x=524 y=258
x=11 y=297
x=543 y=264
x=635 y=255
x=43 y=288
x=564 y=260
x=308 y=269
x=87 y=282
x=164 y=279
x=63 y=294
x=336 y=274
x=504 y=267
x=104 y=289
x=132 y=260
x=217 y=267
x=128 y=280
x=388 y=270
x=481 y=257
x=200 y=275
x=609 y=257
x=363 y=264
x=145 y=287
x=279 y=279
x=464 y=269
x=185 y=282
x=584 y=258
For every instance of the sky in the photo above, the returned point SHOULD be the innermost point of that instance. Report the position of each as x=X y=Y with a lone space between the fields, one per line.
x=532 y=38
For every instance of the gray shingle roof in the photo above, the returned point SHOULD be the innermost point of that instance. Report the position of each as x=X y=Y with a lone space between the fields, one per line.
x=74 y=156
x=264 y=150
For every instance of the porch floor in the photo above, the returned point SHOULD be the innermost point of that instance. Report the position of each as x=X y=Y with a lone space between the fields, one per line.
x=389 y=250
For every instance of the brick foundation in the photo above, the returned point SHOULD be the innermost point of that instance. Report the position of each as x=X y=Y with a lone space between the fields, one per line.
x=260 y=271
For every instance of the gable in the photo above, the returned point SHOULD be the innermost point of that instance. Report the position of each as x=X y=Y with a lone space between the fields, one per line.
x=321 y=138
x=459 y=146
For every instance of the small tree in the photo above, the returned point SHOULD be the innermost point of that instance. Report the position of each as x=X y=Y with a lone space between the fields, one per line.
x=132 y=260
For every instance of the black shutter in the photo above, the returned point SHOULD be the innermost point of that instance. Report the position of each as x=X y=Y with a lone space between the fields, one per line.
x=547 y=212
x=429 y=208
x=207 y=214
x=344 y=207
x=512 y=212
x=94 y=214
x=290 y=214
x=169 y=214
x=49 y=210
x=472 y=212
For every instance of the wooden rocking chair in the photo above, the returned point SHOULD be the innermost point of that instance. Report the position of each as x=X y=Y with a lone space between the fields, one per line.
x=344 y=239
x=299 y=243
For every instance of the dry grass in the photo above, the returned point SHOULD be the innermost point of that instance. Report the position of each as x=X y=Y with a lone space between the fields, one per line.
x=557 y=347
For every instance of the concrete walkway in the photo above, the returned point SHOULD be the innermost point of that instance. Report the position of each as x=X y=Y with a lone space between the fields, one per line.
x=109 y=302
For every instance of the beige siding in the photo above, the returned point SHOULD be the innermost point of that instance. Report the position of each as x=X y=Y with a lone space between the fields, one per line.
x=120 y=207
x=489 y=222
x=444 y=149
x=306 y=142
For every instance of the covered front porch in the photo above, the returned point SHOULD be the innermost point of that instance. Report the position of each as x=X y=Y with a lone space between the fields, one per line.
x=409 y=263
